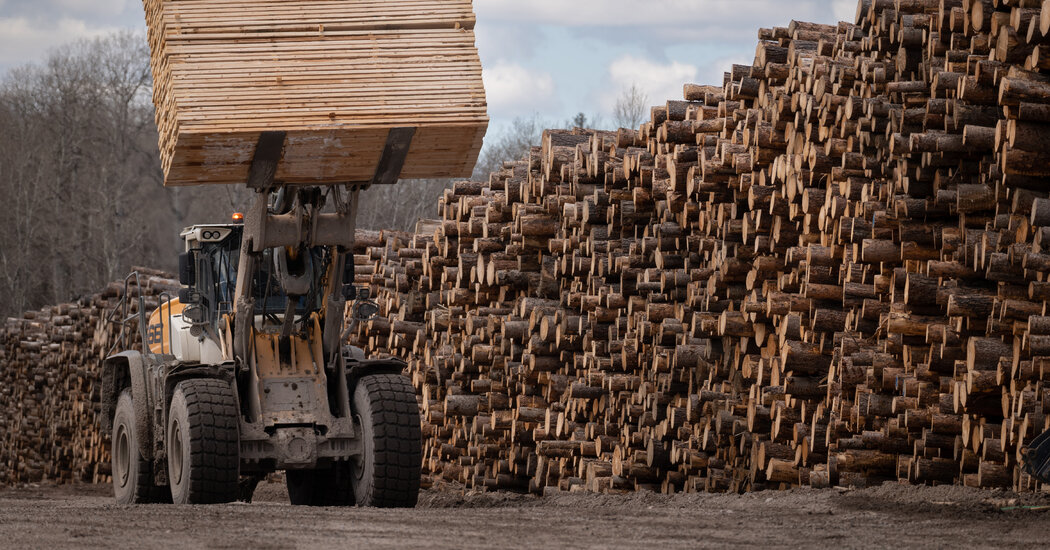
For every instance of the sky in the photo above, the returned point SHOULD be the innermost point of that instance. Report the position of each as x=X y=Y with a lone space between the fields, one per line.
x=552 y=58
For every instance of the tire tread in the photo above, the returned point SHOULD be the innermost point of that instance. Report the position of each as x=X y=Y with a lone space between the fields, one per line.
x=398 y=442
x=214 y=443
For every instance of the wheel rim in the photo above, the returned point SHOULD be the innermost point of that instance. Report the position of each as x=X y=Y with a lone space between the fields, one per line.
x=359 y=461
x=175 y=452
x=122 y=454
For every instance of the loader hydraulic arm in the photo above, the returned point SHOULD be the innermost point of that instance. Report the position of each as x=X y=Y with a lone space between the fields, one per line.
x=288 y=224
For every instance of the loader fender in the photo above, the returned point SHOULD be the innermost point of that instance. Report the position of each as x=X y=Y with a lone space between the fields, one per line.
x=357 y=368
x=118 y=372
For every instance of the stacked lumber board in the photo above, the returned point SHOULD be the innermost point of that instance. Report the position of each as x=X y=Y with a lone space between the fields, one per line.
x=829 y=270
x=336 y=76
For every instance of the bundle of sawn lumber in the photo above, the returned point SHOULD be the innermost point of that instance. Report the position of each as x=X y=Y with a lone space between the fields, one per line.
x=335 y=77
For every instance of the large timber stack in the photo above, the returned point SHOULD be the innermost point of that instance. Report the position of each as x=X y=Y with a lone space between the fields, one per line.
x=337 y=82
x=829 y=270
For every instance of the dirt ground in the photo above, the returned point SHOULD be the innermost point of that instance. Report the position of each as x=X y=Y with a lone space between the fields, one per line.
x=890 y=516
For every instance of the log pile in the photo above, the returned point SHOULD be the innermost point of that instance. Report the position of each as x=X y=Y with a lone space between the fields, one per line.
x=335 y=76
x=50 y=385
x=826 y=271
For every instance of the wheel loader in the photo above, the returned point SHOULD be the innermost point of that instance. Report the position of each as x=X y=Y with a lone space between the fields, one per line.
x=245 y=371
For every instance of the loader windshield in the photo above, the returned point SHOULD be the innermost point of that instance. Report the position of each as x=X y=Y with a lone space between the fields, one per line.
x=270 y=297
x=217 y=279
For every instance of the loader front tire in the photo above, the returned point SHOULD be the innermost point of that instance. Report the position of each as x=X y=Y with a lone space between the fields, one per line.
x=202 y=443
x=132 y=474
x=387 y=473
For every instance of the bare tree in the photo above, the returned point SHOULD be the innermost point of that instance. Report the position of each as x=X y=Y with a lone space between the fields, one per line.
x=400 y=206
x=631 y=107
x=510 y=144
x=80 y=175
x=594 y=122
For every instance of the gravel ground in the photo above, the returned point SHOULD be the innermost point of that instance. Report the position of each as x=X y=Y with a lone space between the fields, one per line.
x=890 y=516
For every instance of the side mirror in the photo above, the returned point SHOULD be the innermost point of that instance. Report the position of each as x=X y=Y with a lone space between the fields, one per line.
x=187 y=269
x=364 y=311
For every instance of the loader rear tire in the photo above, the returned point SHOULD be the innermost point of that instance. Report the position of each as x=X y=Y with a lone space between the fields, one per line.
x=320 y=487
x=202 y=443
x=388 y=471
x=132 y=474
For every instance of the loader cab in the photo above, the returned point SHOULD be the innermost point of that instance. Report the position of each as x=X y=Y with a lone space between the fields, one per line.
x=209 y=270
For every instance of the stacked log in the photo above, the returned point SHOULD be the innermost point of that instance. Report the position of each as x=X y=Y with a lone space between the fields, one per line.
x=826 y=271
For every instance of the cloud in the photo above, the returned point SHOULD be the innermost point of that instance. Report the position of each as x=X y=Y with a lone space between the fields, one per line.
x=29 y=28
x=597 y=48
x=501 y=40
x=513 y=90
x=23 y=40
x=844 y=10
x=659 y=81
x=112 y=12
x=96 y=7
x=669 y=20
x=618 y=13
